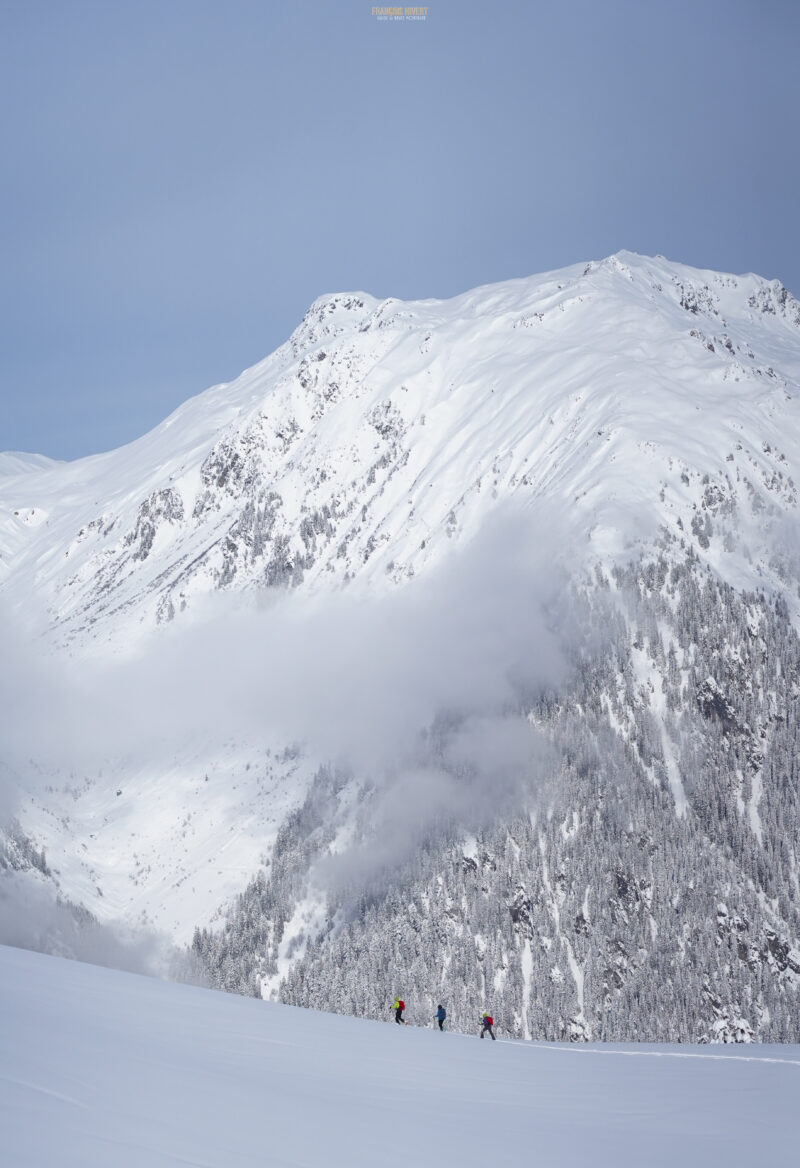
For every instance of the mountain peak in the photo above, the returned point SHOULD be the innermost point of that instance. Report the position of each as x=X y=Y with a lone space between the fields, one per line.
x=623 y=390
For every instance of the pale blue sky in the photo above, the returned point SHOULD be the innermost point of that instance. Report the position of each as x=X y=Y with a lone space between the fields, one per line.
x=181 y=178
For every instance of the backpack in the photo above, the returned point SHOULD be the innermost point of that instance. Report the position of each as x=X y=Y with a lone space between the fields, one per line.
x=402 y=1005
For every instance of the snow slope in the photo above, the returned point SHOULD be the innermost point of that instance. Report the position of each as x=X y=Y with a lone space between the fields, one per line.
x=100 y=1068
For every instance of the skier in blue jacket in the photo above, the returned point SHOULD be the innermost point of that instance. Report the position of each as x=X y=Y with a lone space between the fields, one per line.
x=440 y=1016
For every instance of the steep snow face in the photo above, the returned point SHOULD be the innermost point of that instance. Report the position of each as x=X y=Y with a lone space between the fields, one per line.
x=618 y=398
x=625 y=395
x=103 y=1067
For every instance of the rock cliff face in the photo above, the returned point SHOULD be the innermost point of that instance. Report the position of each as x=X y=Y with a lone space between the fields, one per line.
x=637 y=876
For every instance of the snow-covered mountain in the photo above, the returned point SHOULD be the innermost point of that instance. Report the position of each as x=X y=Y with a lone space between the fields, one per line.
x=381 y=431
x=212 y=603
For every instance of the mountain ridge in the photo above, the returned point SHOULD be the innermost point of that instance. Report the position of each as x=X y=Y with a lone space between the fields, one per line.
x=268 y=483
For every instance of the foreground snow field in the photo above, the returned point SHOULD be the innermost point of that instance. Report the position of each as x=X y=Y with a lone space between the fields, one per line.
x=100 y=1068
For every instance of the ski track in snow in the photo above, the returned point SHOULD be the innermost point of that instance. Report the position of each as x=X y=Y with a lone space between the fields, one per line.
x=587 y=1048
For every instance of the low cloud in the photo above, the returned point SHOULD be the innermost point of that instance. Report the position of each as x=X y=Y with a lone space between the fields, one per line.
x=460 y=779
x=417 y=691
x=33 y=917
